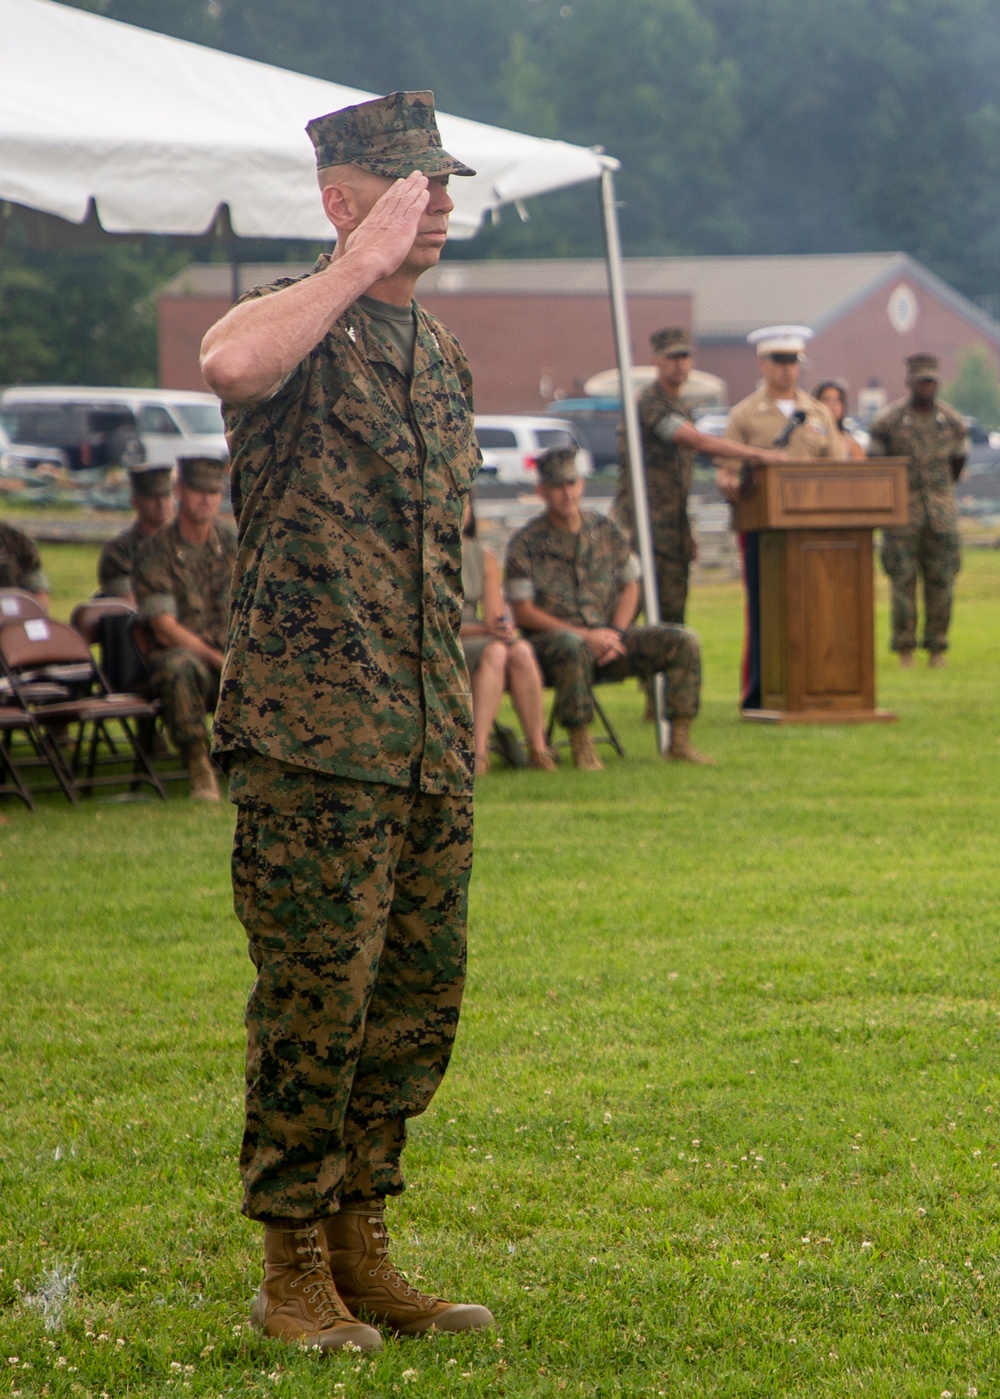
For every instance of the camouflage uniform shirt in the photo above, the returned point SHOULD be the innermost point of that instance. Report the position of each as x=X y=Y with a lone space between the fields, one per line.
x=114 y=567
x=20 y=562
x=575 y=577
x=190 y=582
x=669 y=467
x=348 y=486
x=929 y=440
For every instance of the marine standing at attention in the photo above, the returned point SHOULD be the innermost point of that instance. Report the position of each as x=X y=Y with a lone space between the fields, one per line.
x=934 y=437
x=669 y=443
x=345 y=723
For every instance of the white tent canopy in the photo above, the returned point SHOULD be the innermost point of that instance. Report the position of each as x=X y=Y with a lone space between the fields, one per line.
x=155 y=135
x=159 y=133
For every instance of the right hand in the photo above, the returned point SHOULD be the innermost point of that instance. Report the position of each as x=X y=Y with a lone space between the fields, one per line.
x=386 y=234
x=728 y=482
x=605 y=644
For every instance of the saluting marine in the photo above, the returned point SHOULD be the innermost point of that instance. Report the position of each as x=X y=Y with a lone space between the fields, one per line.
x=345 y=724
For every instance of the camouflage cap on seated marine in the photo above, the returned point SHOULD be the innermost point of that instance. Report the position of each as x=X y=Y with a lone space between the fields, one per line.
x=202 y=473
x=673 y=340
x=557 y=466
x=390 y=136
x=150 y=480
x=922 y=366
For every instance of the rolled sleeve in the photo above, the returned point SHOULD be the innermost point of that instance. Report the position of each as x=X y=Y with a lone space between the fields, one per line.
x=35 y=581
x=519 y=590
x=669 y=426
x=157 y=605
x=518 y=582
x=630 y=571
x=116 y=585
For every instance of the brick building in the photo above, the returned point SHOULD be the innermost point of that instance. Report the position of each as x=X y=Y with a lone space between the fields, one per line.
x=538 y=329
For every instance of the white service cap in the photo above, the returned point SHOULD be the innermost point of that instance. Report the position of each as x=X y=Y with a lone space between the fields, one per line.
x=780 y=339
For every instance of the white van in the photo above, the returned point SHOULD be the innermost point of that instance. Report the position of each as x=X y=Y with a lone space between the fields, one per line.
x=171 y=423
x=510 y=443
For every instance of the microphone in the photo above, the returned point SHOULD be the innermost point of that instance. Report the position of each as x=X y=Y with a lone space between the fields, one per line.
x=796 y=420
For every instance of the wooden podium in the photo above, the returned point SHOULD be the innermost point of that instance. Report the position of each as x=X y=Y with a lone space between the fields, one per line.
x=817 y=622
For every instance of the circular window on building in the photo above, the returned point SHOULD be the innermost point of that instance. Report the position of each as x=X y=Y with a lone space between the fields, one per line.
x=902 y=309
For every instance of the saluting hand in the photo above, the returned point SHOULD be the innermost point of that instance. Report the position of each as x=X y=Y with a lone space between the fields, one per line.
x=387 y=232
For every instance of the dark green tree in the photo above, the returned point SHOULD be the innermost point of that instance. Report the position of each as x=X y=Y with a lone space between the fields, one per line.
x=975 y=389
x=84 y=317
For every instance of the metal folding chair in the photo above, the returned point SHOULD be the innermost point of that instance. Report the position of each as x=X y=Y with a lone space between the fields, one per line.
x=608 y=736
x=102 y=719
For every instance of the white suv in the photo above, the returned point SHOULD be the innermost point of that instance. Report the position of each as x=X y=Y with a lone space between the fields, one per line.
x=510 y=445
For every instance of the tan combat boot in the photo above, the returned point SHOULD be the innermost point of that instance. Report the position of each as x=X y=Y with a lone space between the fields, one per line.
x=204 y=787
x=584 y=752
x=372 y=1286
x=298 y=1301
x=937 y=660
x=681 y=749
x=906 y=660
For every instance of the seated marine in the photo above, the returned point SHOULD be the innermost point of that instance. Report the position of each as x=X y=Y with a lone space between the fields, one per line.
x=573 y=586
x=152 y=500
x=181 y=582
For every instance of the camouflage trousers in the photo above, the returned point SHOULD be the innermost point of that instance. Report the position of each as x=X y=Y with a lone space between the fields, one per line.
x=354 y=898
x=187 y=689
x=936 y=556
x=568 y=665
x=672 y=561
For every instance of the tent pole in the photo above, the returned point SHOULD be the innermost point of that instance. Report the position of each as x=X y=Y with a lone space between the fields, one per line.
x=630 y=413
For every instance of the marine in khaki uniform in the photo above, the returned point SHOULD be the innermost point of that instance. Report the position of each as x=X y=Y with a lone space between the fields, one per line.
x=152 y=500
x=181 y=581
x=345 y=723
x=572 y=583
x=669 y=443
x=777 y=412
x=933 y=436
x=21 y=564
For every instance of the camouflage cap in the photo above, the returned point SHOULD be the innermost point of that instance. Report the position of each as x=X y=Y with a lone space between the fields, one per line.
x=390 y=136
x=202 y=473
x=557 y=466
x=674 y=340
x=922 y=366
x=150 y=480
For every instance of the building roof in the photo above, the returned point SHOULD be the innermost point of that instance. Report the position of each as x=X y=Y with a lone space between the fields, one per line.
x=731 y=295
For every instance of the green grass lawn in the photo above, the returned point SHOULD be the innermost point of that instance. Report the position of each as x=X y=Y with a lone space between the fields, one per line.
x=724 y=1115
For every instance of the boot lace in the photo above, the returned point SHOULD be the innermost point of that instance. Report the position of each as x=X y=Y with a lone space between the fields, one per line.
x=315 y=1280
x=396 y=1280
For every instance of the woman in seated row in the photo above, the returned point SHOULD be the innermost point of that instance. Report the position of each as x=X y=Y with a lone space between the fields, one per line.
x=496 y=658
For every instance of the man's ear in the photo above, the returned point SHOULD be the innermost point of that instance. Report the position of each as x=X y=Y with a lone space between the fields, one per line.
x=340 y=206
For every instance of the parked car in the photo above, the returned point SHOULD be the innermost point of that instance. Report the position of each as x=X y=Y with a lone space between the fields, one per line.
x=595 y=421
x=510 y=444
x=101 y=427
x=26 y=461
x=978 y=435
